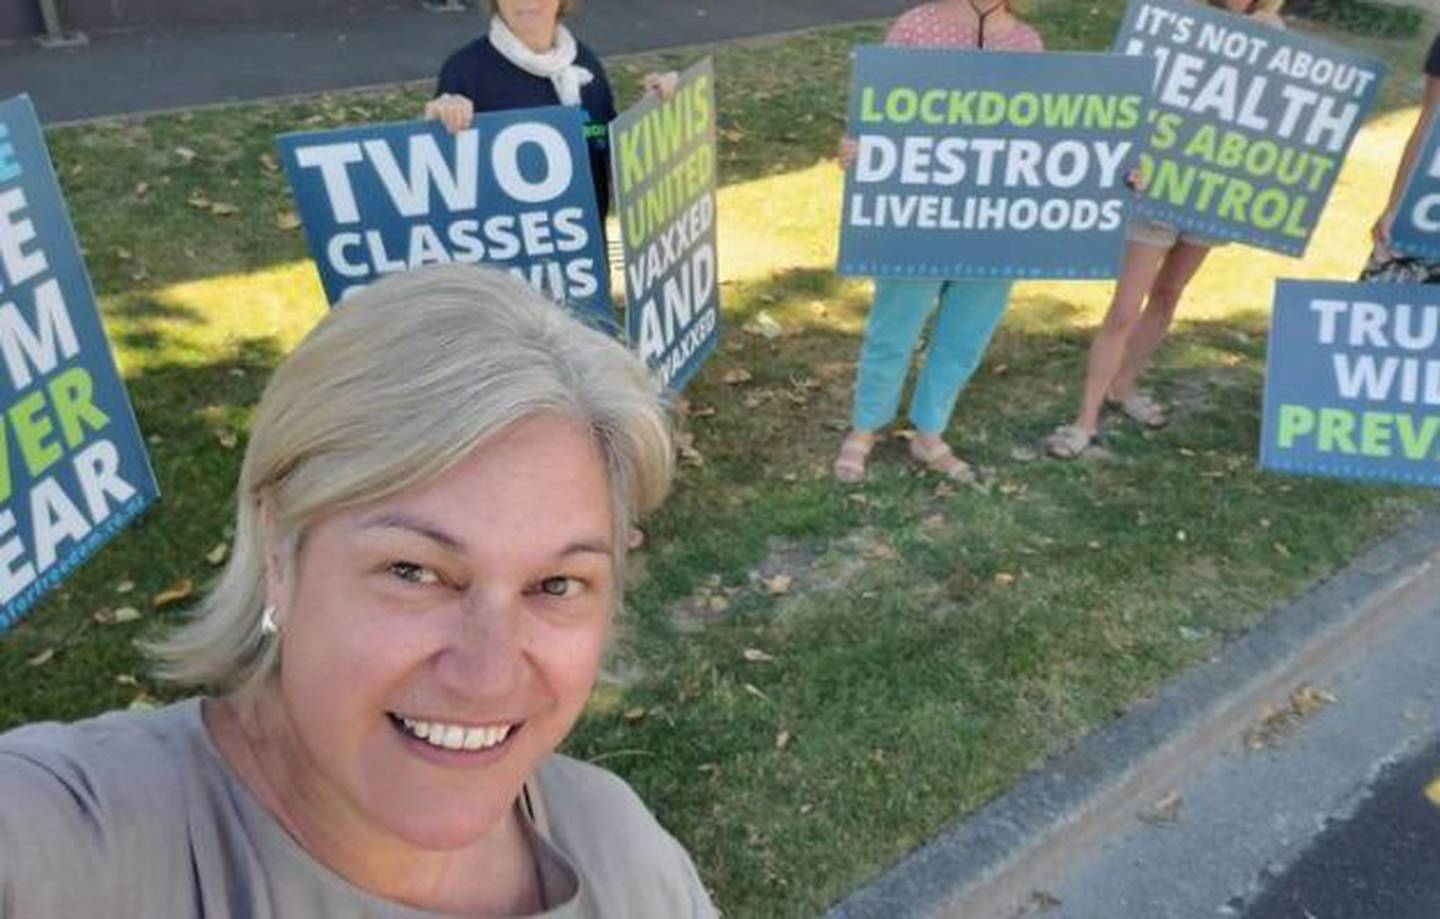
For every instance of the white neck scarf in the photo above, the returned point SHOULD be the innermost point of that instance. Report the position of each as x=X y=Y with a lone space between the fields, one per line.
x=556 y=65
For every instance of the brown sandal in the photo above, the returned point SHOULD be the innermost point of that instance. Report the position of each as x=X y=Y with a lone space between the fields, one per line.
x=849 y=465
x=940 y=458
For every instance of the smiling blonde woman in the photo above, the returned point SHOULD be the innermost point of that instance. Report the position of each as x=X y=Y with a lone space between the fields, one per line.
x=427 y=560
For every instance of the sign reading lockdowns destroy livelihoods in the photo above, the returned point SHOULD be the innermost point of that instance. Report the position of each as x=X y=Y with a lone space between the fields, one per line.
x=1416 y=230
x=513 y=191
x=663 y=160
x=977 y=164
x=1250 y=122
x=73 y=469
x=1353 y=383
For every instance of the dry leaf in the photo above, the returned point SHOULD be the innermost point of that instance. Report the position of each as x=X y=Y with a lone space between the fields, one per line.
x=142 y=189
x=143 y=703
x=718 y=604
x=778 y=585
x=124 y=587
x=286 y=220
x=122 y=253
x=754 y=690
x=1164 y=810
x=217 y=555
x=43 y=658
x=634 y=714
x=685 y=446
x=880 y=550
x=737 y=375
x=756 y=656
x=700 y=411
x=186 y=155
x=1094 y=544
x=221 y=209
x=269 y=163
x=227 y=439
x=126 y=679
x=1180 y=536
x=1004 y=578
x=175 y=593
x=1282 y=549
x=782 y=740
x=198 y=201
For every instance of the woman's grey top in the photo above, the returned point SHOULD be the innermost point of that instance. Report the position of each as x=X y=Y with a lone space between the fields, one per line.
x=137 y=815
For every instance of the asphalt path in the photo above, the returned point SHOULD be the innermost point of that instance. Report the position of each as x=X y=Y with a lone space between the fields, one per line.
x=163 y=69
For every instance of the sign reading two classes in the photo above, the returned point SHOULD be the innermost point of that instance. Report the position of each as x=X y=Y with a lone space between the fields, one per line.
x=663 y=159
x=977 y=164
x=1250 y=122
x=1353 y=383
x=1416 y=230
x=514 y=190
x=73 y=469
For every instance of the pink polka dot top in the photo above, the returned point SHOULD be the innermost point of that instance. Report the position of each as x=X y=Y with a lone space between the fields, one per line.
x=931 y=25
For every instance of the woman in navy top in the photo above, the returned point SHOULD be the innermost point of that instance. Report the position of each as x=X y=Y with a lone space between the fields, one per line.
x=530 y=59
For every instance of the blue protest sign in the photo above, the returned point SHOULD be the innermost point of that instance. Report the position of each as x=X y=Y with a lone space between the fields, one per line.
x=1416 y=230
x=73 y=469
x=1352 y=388
x=974 y=164
x=663 y=162
x=1250 y=122
x=513 y=191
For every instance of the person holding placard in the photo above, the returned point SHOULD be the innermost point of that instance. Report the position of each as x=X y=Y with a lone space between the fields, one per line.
x=530 y=59
x=968 y=310
x=1385 y=264
x=429 y=546
x=1158 y=263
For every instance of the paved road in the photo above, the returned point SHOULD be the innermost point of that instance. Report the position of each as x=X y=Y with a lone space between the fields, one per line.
x=1324 y=818
x=179 y=68
x=1384 y=861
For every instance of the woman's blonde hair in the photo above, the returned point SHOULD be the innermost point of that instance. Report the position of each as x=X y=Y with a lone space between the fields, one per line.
x=392 y=388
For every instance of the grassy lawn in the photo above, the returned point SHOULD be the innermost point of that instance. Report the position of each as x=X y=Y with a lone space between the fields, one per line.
x=811 y=679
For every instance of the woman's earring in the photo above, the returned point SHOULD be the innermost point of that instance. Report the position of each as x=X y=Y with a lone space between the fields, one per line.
x=268 y=626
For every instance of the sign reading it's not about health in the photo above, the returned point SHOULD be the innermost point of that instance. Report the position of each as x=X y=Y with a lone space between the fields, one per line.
x=974 y=164
x=73 y=468
x=1416 y=229
x=663 y=161
x=1352 y=388
x=513 y=191
x=1250 y=122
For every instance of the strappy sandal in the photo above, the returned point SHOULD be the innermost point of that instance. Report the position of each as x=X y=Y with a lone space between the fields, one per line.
x=1068 y=441
x=849 y=465
x=1143 y=408
x=940 y=458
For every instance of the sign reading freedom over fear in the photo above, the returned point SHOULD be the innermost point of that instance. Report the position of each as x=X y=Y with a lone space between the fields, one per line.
x=1250 y=122
x=514 y=191
x=73 y=469
x=1352 y=388
x=1416 y=230
x=663 y=159
x=978 y=164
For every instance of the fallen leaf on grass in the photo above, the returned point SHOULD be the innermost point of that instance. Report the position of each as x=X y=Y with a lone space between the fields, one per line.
x=221 y=209
x=737 y=375
x=286 y=220
x=228 y=439
x=142 y=189
x=1282 y=549
x=633 y=715
x=879 y=550
x=764 y=325
x=217 y=555
x=199 y=201
x=685 y=446
x=126 y=679
x=175 y=593
x=782 y=740
x=124 y=587
x=778 y=585
x=1164 y=810
x=123 y=254
x=756 y=656
x=187 y=156
x=43 y=658
x=1004 y=578
x=119 y=616
x=700 y=411
x=755 y=691
x=143 y=703
x=269 y=163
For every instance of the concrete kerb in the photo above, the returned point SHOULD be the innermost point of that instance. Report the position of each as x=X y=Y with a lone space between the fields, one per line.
x=991 y=864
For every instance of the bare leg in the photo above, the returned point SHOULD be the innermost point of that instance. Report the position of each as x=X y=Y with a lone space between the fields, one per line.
x=1137 y=273
x=1175 y=273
